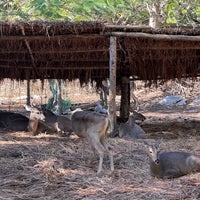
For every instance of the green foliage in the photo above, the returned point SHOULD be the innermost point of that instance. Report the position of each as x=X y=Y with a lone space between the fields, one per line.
x=183 y=12
x=110 y=11
x=47 y=9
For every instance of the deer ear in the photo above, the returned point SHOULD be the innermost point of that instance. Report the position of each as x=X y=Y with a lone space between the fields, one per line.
x=158 y=142
x=145 y=143
x=38 y=107
x=27 y=107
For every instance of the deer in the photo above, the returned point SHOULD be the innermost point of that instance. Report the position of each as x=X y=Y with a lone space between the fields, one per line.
x=171 y=164
x=60 y=123
x=94 y=127
x=36 y=123
x=13 y=121
x=130 y=129
x=56 y=123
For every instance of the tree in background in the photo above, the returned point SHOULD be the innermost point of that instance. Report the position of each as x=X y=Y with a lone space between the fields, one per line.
x=128 y=12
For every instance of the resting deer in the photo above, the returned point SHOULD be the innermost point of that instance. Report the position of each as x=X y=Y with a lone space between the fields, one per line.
x=60 y=123
x=55 y=122
x=171 y=164
x=130 y=129
x=13 y=121
x=94 y=127
x=36 y=124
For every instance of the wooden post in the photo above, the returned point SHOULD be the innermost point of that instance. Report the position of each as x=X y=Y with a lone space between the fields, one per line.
x=125 y=98
x=28 y=93
x=112 y=88
x=59 y=96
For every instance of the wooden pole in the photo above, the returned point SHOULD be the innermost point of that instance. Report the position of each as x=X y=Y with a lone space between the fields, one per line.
x=112 y=88
x=30 y=51
x=125 y=98
x=155 y=36
x=59 y=97
x=28 y=93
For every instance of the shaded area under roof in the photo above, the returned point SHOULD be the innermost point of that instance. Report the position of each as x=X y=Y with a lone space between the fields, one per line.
x=66 y=50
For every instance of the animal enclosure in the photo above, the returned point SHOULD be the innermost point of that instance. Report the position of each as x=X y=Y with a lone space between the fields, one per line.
x=48 y=166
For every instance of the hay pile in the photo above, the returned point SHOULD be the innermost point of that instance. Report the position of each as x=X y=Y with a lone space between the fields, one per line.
x=53 y=167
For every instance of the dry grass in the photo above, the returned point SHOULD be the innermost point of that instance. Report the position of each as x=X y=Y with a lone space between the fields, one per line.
x=14 y=93
x=52 y=167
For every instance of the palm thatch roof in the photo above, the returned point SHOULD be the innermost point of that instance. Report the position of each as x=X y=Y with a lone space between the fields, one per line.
x=67 y=50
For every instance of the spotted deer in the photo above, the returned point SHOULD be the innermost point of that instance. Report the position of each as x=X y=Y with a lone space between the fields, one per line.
x=94 y=127
x=168 y=165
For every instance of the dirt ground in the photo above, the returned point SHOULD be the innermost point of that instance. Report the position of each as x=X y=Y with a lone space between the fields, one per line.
x=53 y=167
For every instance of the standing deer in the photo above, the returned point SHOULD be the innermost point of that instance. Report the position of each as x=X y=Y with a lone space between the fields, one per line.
x=171 y=164
x=94 y=127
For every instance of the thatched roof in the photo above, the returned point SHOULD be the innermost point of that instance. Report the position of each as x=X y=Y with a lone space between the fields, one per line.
x=66 y=50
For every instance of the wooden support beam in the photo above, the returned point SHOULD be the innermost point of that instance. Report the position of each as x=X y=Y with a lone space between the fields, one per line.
x=53 y=67
x=84 y=61
x=105 y=34
x=45 y=37
x=112 y=88
x=30 y=51
x=155 y=36
x=57 y=51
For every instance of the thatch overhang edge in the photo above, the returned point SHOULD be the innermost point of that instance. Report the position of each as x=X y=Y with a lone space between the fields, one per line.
x=152 y=53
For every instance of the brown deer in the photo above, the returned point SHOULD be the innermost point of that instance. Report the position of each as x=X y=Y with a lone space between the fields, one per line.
x=56 y=123
x=36 y=123
x=94 y=127
x=60 y=123
x=171 y=164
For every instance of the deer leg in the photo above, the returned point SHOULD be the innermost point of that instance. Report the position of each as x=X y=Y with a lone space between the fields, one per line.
x=101 y=155
x=135 y=102
x=100 y=149
x=171 y=173
x=57 y=127
x=104 y=143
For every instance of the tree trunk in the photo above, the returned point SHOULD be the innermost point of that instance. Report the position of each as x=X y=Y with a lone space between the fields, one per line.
x=154 y=14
